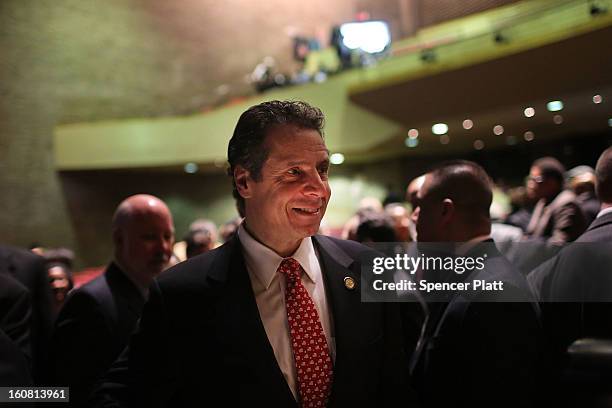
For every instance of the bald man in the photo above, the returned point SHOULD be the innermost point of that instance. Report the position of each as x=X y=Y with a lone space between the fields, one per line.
x=97 y=320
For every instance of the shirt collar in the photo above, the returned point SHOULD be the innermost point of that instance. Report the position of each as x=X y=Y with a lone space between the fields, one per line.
x=465 y=247
x=263 y=262
x=604 y=212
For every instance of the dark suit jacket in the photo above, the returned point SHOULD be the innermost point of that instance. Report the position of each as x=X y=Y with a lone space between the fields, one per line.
x=480 y=349
x=15 y=350
x=92 y=329
x=201 y=341
x=575 y=288
x=559 y=221
x=29 y=270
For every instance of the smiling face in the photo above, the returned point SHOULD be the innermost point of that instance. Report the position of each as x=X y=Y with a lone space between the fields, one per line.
x=289 y=201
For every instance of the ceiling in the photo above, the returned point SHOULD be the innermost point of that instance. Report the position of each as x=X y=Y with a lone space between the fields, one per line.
x=496 y=92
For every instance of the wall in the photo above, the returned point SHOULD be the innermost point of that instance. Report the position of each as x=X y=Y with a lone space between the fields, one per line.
x=67 y=61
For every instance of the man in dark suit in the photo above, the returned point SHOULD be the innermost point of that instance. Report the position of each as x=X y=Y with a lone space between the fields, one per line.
x=274 y=316
x=478 y=347
x=557 y=217
x=97 y=320
x=29 y=270
x=15 y=349
x=575 y=287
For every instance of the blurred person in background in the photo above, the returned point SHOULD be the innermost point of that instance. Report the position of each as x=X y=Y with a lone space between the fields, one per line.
x=208 y=237
x=15 y=341
x=375 y=227
x=575 y=287
x=228 y=230
x=96 y=322
x=557 y=217
x=29 y=270
x=367 y=206
x=522 y=202
x=400 y=217
x=59 y=271
x=198 y=242
x=581 y=180
x=412 y=192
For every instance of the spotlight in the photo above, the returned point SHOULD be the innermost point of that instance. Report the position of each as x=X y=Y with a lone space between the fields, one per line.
x=410 y=142
x=439 y=128
x=191 y=168
x=529 y=112
x=554 y=106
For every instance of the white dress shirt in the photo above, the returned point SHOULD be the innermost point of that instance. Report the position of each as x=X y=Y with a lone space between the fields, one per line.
x=604 y=212
x=269 y=289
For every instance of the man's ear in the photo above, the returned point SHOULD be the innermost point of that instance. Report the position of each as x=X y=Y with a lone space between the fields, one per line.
x=117 y=238
x=448 y=210
x=242 y=178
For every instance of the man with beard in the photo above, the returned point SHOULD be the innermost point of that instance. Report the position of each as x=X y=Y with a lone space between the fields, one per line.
x=96 y=322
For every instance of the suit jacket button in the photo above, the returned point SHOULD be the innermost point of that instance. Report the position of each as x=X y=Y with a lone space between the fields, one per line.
x=349 y=283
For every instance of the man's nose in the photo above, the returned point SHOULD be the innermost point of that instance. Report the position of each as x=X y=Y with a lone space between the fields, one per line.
x=315 y=185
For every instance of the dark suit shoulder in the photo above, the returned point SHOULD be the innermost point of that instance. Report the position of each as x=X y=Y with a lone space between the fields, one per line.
x=20 y=255
x=201 y=272
x=95 y=288
x=85 y=300
x=599 y=230
x=352 y=248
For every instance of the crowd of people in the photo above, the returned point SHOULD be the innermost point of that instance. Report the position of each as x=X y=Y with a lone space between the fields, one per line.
x=267 y=311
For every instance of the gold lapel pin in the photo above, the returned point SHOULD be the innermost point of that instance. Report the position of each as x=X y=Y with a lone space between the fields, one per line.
x=349 y=283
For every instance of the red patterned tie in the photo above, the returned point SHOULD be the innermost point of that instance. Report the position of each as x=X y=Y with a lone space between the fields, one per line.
x=310 y=351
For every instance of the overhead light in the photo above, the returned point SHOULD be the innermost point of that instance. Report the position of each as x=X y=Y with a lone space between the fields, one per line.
x=369 y=36
x=191 y=168
x=444 y=139
x=468 y=124
x=498 y=130
x=558 y=119
x=413 y=133
x=478 y=144
x=529 y=112
x=597 y=99
x=439 y=128
x=410 y=142
x=336 y=158
x=554 y=106
x=529 y=136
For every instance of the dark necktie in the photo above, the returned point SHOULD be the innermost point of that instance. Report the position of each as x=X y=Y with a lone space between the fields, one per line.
x=310 y=351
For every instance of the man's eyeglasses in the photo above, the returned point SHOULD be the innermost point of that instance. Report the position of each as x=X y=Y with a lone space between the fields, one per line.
x=535 y=179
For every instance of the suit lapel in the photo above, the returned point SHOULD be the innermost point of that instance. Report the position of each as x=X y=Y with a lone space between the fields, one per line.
x=345 y=306
x=601 y=221
x=241 y=322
